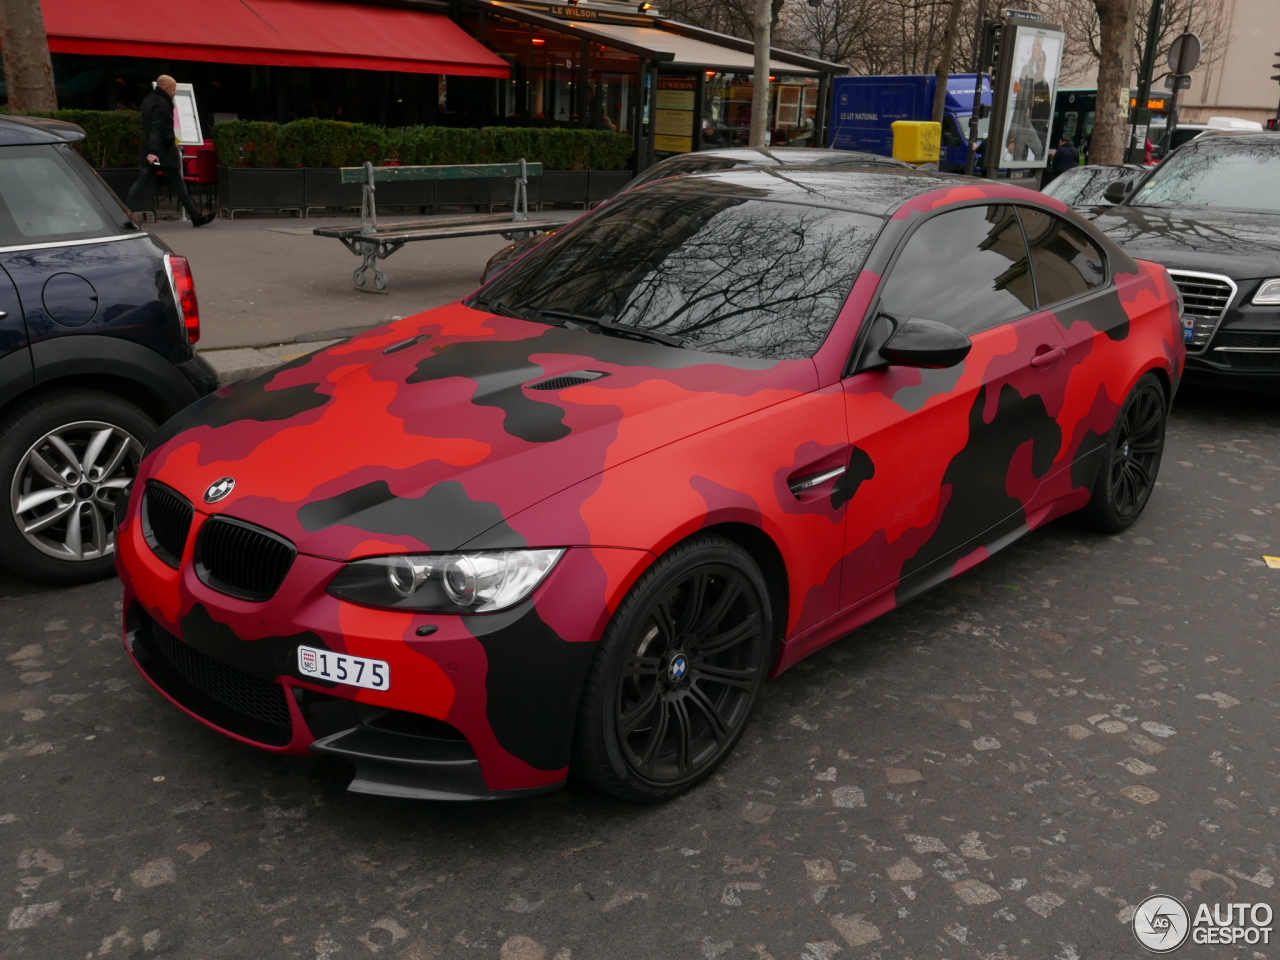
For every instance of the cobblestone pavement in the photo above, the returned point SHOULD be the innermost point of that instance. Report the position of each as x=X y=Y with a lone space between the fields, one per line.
x=1003 y=769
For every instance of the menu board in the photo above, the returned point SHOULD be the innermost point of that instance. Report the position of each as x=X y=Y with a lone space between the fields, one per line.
x=186 y=129
x=676 y=110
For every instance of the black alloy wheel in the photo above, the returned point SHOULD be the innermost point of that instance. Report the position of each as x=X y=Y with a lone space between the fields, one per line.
x=678 y=673
x=1131 y=460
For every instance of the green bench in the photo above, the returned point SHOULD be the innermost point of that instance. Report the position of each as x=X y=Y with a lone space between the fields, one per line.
x=372 y=243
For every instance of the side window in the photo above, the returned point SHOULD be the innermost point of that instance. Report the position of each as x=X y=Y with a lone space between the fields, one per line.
x=950 y=132
x=967 y=268
x=1065 y=261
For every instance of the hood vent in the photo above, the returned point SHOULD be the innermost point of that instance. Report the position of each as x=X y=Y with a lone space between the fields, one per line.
x=564 y=380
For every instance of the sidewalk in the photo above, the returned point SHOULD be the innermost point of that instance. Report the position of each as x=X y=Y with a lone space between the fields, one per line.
x=270 y=290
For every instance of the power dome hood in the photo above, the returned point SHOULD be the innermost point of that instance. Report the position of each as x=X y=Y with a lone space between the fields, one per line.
x=356 y=451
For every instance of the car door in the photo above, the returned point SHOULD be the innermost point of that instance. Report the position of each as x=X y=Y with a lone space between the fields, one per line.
x=948 y=459
x=1074 y=292
x=15 y=353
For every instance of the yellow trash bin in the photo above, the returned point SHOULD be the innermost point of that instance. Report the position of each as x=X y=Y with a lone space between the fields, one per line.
x=917 y=141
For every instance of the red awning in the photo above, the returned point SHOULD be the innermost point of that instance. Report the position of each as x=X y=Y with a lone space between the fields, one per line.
x=276 y=33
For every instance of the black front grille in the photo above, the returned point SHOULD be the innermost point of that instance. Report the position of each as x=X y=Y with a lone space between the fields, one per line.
x=242 y=560
x=166 y=522
x=1205 y=298
x=1251 y=361
x=250 y=696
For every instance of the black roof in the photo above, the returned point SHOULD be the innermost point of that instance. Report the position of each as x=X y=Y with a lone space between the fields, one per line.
x=19 y=130
x=877 y=191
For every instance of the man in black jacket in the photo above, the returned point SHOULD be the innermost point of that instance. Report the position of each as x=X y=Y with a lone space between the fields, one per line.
x=1065 y=158
x=159 y=150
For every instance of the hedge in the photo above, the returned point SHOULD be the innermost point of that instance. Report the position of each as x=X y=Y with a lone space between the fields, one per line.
x=112 y=137
x=112 y=140
x=334 y=143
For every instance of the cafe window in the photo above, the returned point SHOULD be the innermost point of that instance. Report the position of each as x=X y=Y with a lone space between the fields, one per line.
x=727 y=106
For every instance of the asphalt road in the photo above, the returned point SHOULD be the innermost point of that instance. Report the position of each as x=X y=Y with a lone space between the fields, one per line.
x=1000 y=770
x=264 y=280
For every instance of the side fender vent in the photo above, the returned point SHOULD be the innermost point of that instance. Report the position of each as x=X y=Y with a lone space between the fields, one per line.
x=564 y=380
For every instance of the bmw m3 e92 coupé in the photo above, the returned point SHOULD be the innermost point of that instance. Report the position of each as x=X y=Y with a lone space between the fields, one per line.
x=572 y=523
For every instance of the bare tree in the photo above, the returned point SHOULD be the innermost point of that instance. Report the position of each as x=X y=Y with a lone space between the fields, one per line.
x=944 y=61
x=1079 y=19
x=28 y=71
x=1115 y=47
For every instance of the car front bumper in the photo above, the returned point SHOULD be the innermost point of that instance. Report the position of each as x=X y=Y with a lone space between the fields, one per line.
x=483 y=707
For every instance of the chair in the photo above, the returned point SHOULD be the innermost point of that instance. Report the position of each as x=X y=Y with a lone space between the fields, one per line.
x=200 y=169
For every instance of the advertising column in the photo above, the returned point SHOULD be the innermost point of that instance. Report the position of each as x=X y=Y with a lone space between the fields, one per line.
x=1026 y=86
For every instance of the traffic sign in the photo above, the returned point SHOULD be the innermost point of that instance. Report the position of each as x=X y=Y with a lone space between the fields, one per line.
x=1023 y=15
x=1184 y=53
x=1174 y=82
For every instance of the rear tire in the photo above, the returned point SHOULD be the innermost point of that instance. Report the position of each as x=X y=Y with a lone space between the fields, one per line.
x=1130 y=460
x=65 y=458
x=677 y=673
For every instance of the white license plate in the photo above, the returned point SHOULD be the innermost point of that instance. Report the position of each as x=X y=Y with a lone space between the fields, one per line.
x=341 y=668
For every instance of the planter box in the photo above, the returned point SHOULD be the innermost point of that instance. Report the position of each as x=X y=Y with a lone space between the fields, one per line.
x=323 y=187
x=120 y=179
x=408 y=193
x=470 y=193
x=260 y=188
x=564 y=186
x=603 y=184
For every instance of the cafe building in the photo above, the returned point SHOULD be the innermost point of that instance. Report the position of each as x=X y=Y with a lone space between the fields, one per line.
x=594 y=64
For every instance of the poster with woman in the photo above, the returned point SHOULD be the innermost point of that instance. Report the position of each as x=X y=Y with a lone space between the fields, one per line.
x=1033 y=84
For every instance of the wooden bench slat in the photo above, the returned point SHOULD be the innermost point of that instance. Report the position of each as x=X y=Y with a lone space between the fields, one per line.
x=465 y=171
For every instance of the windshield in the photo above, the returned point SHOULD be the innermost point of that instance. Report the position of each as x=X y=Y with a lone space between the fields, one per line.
x=984 y=124
x=1222 y=172
x=752 y=278
x=1085 y=186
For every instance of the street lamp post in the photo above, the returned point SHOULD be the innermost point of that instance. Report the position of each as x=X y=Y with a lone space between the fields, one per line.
x=1140 y=115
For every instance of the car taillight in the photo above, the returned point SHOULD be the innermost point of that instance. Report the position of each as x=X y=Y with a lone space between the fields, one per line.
x=184 y=288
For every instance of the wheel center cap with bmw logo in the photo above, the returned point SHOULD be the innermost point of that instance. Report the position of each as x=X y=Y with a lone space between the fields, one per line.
x=219 y=489
x=678 y=667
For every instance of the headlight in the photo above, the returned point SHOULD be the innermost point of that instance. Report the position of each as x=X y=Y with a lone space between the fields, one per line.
x=1268 y=294
x=480 y=582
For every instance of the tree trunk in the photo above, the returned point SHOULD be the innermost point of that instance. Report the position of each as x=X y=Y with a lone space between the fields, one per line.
x=28 y=72
x=1111 y=124
x=760 y=79
x=944 y=61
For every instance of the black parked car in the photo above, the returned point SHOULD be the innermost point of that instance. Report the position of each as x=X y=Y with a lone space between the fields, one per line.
x=1086 y=186
x=1210 y=213
x=705 y=161
x=97 y=319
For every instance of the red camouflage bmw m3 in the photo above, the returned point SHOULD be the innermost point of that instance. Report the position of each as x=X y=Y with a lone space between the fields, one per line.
x=572 y=523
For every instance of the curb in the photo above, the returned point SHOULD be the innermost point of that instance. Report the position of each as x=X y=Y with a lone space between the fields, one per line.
x=237 y=363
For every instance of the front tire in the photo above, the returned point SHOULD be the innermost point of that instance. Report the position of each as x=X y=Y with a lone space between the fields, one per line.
x=677 y=673
x=65 y=458
x=1130 y=460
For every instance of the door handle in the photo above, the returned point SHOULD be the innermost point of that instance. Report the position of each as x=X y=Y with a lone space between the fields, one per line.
x=1046 y=355
x=799 y=485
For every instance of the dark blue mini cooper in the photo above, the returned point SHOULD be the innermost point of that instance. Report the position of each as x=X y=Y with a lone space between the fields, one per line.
x=97 y=322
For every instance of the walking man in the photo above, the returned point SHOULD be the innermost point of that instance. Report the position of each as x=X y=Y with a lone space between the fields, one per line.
x=1065 y=158
x=159 y=150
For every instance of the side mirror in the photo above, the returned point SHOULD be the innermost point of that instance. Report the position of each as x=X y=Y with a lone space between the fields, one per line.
x=925 y=343
x=1117 y=190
